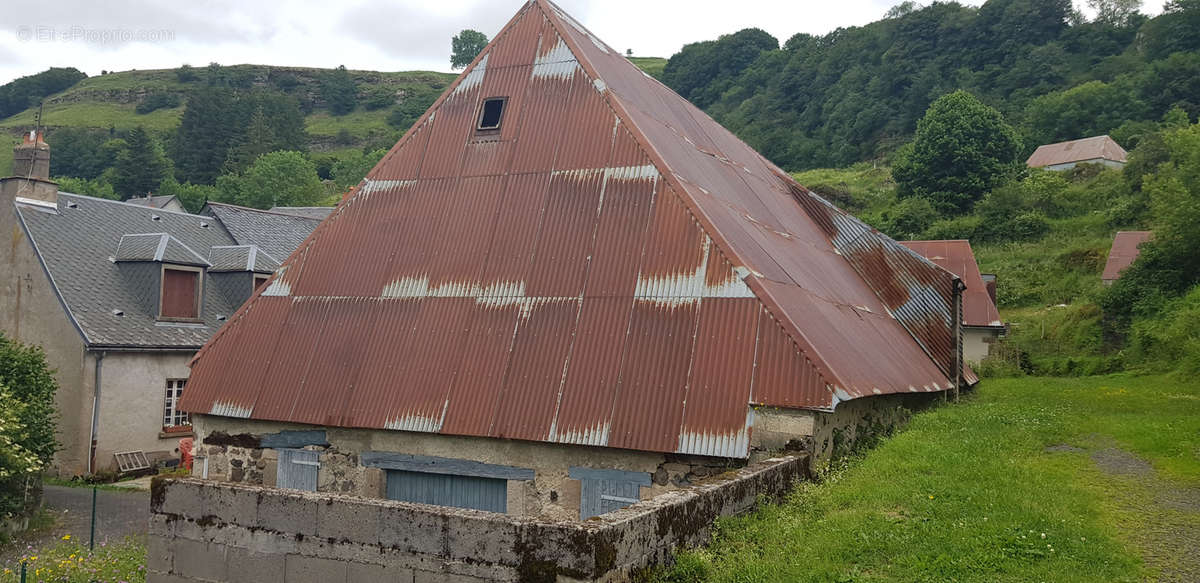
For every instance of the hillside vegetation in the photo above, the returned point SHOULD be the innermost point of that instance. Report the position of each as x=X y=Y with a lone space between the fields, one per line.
x=856 y=93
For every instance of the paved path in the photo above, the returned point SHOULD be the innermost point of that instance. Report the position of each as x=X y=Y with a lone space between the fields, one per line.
x=118 y=514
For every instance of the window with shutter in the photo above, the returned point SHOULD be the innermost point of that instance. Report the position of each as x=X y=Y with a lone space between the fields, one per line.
x=180 y=294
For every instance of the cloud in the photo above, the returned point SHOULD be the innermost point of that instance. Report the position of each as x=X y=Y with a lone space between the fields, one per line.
x=411 y=30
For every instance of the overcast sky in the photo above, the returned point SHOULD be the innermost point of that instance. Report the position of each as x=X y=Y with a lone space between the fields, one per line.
x=384 y=35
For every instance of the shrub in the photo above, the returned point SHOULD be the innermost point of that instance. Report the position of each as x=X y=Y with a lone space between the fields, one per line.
x=27 y=421
x=157 y=101
x=186 y=74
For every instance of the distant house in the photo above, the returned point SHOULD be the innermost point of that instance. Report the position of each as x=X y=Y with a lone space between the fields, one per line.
x=1125 y=249
x=564 y=290
x=121 y=296
x=981 y=319
x=166 y=203
x=1065 y=155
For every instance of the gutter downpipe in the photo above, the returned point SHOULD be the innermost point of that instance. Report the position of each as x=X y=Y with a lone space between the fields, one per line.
x=958 y=337
x=95 y=411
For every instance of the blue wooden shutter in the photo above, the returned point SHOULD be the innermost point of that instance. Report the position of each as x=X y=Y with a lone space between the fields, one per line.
x=298 y=469
x=490 y=494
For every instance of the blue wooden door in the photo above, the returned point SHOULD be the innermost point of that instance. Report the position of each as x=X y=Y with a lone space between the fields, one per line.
x=489 y=494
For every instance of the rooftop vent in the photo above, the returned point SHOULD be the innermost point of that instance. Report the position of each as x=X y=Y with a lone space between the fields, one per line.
x=72 y=205
x=203 y=225
x=118 y=312
x=155 y=218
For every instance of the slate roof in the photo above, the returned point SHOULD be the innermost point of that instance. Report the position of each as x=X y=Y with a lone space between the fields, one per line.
x=311 y=212
x=1094 y=148
x=609 y=267
x=1125 y=250
x=102 y=255
x=242 y=258
x=277 y=233
x=152 y=201
x=157 y=247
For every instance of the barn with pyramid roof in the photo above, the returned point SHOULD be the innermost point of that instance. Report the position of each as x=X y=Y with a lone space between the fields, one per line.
x=568 y=277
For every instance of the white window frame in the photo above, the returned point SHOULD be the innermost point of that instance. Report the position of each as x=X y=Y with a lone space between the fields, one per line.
x=172 y=416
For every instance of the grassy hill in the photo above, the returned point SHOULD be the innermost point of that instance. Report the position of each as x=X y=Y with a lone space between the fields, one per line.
x=652 y=65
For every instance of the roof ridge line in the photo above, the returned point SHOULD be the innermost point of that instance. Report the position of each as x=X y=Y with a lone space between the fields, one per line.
x=130 y=204
x=266 y=212
x=697 y=214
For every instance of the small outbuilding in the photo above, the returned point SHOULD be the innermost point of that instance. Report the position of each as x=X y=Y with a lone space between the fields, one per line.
x=1125 y=250
x=1066 y=155
x=981 y=319
x=564 y=290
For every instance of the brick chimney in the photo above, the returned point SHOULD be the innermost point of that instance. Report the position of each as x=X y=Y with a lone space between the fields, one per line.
x=31 y=171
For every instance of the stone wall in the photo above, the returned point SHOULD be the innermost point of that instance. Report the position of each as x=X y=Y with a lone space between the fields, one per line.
x=234 y=453
x=205 y=531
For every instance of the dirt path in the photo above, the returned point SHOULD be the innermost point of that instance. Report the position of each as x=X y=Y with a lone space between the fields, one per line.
x=1170 y=538
x=118 y=514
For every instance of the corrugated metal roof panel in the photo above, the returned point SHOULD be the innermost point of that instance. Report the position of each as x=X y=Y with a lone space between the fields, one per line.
x=610 y=268
x=958 y=258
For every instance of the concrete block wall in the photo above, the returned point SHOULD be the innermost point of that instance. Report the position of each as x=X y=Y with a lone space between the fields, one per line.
x=217 y=532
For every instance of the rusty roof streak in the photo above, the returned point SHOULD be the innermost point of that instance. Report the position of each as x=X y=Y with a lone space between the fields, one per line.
x=957 y=257
x=609 y=268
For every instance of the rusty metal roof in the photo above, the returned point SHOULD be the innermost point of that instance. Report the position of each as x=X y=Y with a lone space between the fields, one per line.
x=957 y=257
x=1093 y=148
x=610 y=267
x=1125 y=249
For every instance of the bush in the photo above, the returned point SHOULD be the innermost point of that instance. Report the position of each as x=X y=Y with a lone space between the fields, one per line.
x=157 y=101
x=27 y=422
x=186 y=74
x=379 y=98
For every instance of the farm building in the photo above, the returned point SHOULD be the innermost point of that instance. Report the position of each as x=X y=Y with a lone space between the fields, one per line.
x=1065 y=155
x=121 y=296
x=981 y=320
x=1125 y=250
x=564 y=290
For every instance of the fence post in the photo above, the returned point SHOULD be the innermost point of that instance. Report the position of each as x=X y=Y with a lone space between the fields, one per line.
x=22 y=571
x=92 y=538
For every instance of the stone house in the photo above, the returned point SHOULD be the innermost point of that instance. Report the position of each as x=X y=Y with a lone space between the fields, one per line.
x=981 y=320
x=566 y=289
x=1065 y=155
x=120 y=296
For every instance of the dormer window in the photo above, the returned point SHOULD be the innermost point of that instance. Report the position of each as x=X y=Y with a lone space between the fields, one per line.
x=180 y=299
x=492 y=113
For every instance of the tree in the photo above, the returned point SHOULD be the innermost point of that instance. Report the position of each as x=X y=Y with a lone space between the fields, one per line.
x=141 y=166
x=1115 y=12
x=30 y=382
x=275 y=179
x=465 y=46
x=82 y=152
x=962 y=149
x=258 y=140
x=206 y=131
x=26 y=92
x=1169 y=264
x=339 y=91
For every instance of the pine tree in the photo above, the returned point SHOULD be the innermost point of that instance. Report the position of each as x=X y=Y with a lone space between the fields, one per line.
x=258 y=140
x=339 y=91
x=141 y=166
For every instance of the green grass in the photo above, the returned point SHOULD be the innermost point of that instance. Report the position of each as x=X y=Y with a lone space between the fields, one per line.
x=97 y=114
x=359 y=123
x=68 y=561
x=7 y=142
x=652 y=65
x=966 y=492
